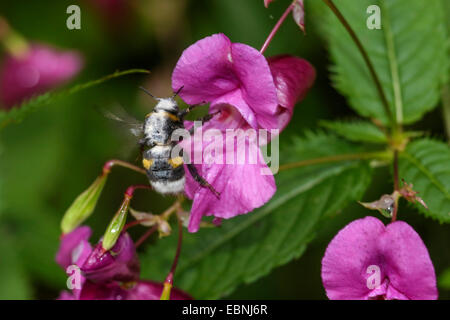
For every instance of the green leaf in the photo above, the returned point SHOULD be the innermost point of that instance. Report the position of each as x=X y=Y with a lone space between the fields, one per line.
x=444 y=280
x=17 y=113
x=215 y=261
x=426 y=164
x=408 y=53
x=356 y=130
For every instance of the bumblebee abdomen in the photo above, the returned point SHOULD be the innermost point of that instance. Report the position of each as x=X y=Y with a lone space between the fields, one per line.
x=165 y=174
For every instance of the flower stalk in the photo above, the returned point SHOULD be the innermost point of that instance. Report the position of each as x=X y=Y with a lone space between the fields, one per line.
x=168 y=283
x=276 y=27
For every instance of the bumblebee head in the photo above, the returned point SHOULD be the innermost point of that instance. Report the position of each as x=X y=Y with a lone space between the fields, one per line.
x=165 y=104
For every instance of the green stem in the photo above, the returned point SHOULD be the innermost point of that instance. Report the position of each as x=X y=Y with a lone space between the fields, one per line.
x=336 y=158
x=366 y=58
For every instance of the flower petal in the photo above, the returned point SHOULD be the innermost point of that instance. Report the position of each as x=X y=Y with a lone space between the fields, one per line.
x=256 y=83
x=151 y=290
x=352 y=250
x=142 y=290
x=205 y=71
x=235 y=197
x=74 y=247
x=408 y=263
x=215 y=70
x=293 y=77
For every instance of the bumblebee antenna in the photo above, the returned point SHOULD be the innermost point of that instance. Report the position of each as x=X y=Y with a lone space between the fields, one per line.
x=178 y=91
x=148 y=92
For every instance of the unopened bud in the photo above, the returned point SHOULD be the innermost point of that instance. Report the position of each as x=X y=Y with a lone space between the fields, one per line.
x=83 y=206
x=116 y=225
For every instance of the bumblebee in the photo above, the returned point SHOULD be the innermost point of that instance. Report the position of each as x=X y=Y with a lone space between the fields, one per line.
x=166 y=174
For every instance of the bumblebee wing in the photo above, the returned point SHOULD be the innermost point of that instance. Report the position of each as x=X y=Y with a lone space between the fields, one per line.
x=119 y=115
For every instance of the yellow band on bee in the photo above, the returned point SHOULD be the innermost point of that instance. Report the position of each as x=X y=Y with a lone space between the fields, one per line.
x=172 y=116
x=147 y=163
x=166 y=114
x=176 y=162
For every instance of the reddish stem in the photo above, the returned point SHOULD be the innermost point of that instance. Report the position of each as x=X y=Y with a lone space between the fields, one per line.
x=109 y=164
x=146 y=235
x=133 y=223
x=131 y=189
x=169 y=278
x=276 y=27
x=396 y=185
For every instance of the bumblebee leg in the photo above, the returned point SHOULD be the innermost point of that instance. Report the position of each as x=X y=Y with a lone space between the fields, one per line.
x=201 y=181
x=184 y=112
x=204 y=119
x=142 y=145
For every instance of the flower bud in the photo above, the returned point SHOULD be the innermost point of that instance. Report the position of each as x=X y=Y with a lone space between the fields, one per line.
x=83 y=205
x=116 y=225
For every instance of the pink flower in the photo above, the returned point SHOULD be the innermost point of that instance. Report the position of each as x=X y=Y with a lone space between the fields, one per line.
x=74 y=247
x=141 y=290
x=74 y=250
x=367 y=260
x=120 y=263
x=250 y=92
x=293 y=78
x=40 y=69
x=220 y=72
x=110 y=275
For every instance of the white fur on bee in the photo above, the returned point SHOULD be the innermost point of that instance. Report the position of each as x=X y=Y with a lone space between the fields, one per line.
x=165 y=187
x=161 y=149
x=167 y=104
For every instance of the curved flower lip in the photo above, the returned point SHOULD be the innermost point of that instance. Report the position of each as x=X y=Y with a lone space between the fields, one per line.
x=141 y=290
x=40 y=69
x=74 y=247
x=293 y=78
x=120 y=263
x=367 y=260
x=236 y=198
x=217 y=71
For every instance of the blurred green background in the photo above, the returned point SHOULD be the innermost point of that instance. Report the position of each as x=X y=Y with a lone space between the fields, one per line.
x=55 y=153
